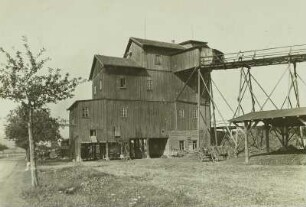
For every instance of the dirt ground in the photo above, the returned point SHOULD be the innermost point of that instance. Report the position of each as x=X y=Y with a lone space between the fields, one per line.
x=13 y=178
x=173 y=182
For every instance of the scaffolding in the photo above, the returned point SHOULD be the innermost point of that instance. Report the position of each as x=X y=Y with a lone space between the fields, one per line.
x=245 y=61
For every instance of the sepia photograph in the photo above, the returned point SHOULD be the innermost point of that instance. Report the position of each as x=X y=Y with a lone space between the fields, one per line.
x=152 y=103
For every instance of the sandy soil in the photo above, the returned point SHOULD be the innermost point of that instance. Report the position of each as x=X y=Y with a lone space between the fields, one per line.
x=12 y=178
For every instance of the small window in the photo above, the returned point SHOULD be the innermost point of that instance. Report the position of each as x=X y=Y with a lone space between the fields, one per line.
x=95 y=90
x=149 y=84
x=122 y=82
x=72 y=119
x=93 y=132
x=85 y=112
x=100 y=85
x=124 y=112
x=194 y=144
x=181 y=113
x=157 y=60
x=182 y=146
x=195 y=114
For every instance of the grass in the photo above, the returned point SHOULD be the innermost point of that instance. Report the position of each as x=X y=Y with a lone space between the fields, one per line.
x=171 y=182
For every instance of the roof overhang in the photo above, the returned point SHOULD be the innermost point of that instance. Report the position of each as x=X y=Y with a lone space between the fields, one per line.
x=283 y=117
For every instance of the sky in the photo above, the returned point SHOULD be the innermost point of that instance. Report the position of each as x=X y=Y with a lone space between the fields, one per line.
x=73 y=31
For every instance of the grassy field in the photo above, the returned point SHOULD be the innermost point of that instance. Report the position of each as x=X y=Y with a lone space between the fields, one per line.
x=173 y=182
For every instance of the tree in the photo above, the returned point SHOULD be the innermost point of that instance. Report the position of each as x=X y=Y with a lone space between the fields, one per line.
x=45 y=127
x=25 y=80
x=3 y=147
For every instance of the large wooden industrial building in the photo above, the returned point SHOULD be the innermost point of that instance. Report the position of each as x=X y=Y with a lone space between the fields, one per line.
x=138 y=108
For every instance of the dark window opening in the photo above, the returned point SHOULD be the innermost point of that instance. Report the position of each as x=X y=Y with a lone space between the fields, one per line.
x=122 y=82
x=194 y=144
x=182 y=147
x=85 y=112
x=157 y=60
x=93 y=132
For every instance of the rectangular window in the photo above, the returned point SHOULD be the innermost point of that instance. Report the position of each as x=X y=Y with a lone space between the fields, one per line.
x=182 y=146
x=157 y=60
x=100 y=84
x=195 y=114
x=149 y=84
x=194 y=144
x=93 y=132
x=72 y=119
x=95 y=90
x=124 y=112
x=85 y=112
x=181 y=113
x=122 y=82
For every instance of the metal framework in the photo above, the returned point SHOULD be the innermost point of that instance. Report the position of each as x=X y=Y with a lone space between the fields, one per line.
x=244 y=61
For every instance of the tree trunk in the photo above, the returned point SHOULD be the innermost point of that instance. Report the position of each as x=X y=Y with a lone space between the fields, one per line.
x=32 y=153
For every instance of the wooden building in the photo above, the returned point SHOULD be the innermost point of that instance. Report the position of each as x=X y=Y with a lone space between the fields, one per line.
x=138 y=108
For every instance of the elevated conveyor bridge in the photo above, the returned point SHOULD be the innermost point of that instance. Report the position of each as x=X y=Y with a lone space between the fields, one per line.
x=244 y=60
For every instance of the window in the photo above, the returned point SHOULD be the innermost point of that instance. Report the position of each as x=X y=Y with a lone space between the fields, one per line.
x=181 y=113
x=195 y=114
x=72 y=119
x=100 y=85
x=95 y=90
x=194 y=144
x=124 y=112
x=122 y=82
x=157 y=60
x=93 y=133
x=182 y=146
x=149 y=84
x=85 y=112
x=93 y=136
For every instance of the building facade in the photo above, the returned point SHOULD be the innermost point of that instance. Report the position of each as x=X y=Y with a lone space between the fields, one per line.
x=141 y=106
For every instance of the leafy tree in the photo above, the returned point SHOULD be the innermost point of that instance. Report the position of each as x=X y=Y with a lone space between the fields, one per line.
x=3 y=147
x=45 y=128
x=25 y=80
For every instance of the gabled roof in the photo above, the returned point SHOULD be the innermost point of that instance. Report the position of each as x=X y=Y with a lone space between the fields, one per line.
x=113 y=61
x=289 y=117
x=153 y=43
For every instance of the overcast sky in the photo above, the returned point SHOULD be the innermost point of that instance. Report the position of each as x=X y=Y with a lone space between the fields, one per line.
x=73 y=31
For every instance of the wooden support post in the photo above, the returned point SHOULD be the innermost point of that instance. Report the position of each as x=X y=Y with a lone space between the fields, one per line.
x=246 y=145
x=199 y=105
x=267 y=138
x=286 y=136
x=77 y=149
x=175 y=113
x=214 y=115
x=251 y=89
x=106 y=151
x=148 y=148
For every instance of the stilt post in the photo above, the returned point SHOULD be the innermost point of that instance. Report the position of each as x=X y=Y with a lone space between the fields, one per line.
x=246 y=146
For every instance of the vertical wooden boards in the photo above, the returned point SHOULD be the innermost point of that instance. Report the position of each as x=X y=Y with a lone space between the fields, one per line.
x=186 y=60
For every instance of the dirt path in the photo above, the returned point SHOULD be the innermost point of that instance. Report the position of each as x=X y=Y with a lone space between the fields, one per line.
x=12 y=178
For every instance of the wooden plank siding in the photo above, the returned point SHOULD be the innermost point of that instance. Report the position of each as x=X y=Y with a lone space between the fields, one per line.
x=150 y=113
x=185 y=60
x=138 y=54
x=144 y=119
x=165 y=85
